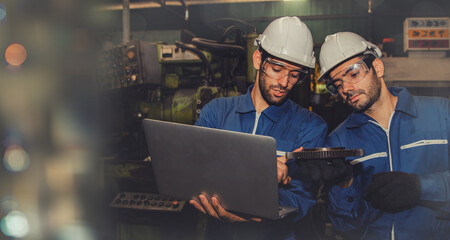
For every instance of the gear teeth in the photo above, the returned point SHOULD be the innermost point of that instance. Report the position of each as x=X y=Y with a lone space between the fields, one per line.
x=325 y=153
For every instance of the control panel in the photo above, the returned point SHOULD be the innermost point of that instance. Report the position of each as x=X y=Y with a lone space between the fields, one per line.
x=147 y=201
x=172 y=53
x=129 y=64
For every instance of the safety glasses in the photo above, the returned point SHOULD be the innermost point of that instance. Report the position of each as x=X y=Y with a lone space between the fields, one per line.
x=277 y=70
x=352 y=74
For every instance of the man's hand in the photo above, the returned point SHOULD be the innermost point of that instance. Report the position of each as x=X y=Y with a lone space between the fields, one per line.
x=394 y=191
x=282 y=169
x=216 y=210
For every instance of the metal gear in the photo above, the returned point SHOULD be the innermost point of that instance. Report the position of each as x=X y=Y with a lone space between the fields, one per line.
x=324 y=153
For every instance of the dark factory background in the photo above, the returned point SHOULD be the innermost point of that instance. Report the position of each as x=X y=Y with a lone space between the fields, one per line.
x=78 y=77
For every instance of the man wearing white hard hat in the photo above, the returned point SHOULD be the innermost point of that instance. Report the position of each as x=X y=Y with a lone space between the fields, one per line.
x=283 y=59
x=400 y=188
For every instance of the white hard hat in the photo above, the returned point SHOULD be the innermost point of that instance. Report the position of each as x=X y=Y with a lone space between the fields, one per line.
x=341 y=46
x=288 y=38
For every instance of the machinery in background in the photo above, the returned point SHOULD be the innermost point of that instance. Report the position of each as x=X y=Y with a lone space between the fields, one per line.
x=137 y=211
x=147 y=202
x=122 y=65
x=147 y=80
x=141 y=63
x=169 y=82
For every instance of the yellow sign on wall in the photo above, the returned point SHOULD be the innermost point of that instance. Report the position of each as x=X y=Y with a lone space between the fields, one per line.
x=428 y=33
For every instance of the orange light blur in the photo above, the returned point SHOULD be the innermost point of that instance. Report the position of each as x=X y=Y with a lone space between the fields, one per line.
x=15 y=54
x=131 y=55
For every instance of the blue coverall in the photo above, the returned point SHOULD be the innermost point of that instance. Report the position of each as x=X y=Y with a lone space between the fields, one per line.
x=415 y=142
x=292 y=127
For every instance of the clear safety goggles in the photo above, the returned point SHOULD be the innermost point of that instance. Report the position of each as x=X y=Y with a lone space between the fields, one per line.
x=352 y=74
x=277 y=70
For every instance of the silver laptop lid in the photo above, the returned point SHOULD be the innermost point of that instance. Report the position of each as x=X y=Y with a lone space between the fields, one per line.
x=239 y=168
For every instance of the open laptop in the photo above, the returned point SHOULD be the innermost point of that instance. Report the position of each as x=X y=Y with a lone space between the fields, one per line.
x=238 y=168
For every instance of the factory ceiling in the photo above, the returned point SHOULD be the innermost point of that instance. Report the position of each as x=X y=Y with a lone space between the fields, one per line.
x=141 y=4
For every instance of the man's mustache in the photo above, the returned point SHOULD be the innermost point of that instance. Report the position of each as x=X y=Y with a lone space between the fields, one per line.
x=278 y=87
x=350 y=94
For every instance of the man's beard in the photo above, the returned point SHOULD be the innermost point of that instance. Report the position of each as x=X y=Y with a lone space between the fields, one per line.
x=265 y=92
x=373 y=94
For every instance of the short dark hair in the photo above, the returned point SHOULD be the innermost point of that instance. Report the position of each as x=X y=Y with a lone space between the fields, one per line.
x=264 y=54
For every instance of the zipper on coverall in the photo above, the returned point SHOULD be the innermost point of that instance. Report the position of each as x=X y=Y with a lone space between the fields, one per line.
x=255 y=126
x=390 y=159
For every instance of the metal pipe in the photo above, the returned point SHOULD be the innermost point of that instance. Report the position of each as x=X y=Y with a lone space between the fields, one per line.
x=126 y=21
x=370 y=29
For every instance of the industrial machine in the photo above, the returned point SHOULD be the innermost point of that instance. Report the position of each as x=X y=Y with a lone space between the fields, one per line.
x=138 y=211
x=122 y=65
x=171 y=82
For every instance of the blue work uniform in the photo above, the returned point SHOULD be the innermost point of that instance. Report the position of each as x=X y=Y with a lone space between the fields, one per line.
x=416 y=141
x=292 y=127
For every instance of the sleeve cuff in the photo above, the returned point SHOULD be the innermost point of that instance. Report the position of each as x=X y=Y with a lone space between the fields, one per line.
x=346 y=201
x=434 y=187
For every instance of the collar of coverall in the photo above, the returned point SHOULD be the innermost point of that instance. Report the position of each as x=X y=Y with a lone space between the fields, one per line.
x=405 y=104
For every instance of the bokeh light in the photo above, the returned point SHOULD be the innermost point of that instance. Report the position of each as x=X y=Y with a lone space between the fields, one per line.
x=16 y=159
x=15 y=54
x=75 y=232
x=2 y=14
x=15 y=225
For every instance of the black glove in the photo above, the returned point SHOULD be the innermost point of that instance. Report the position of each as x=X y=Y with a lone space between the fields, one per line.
x=330 y=171
x=394 y=191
